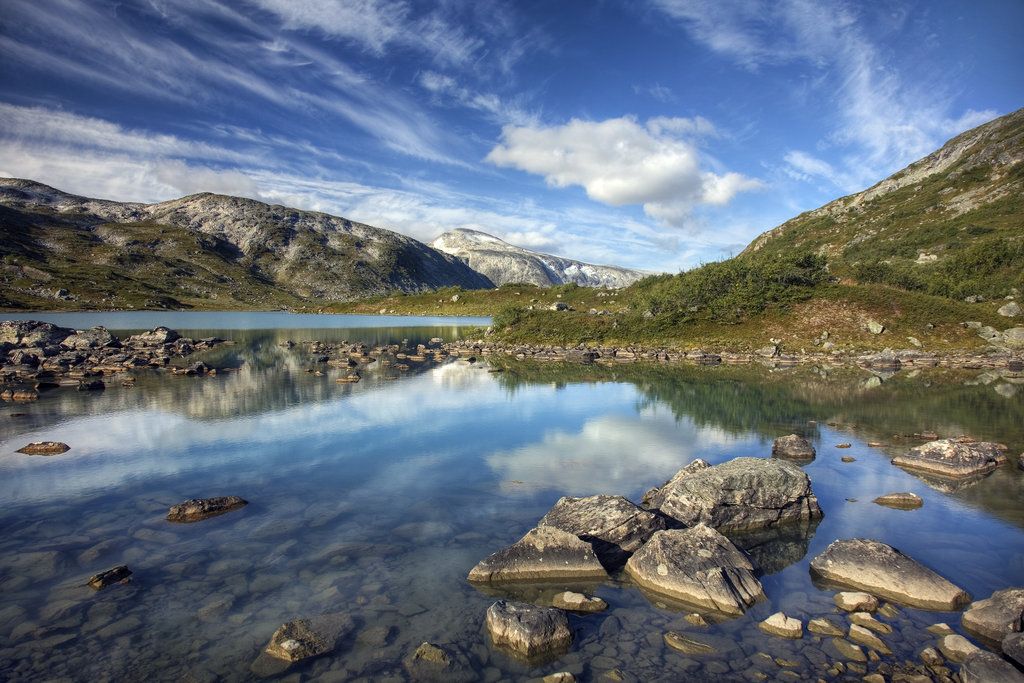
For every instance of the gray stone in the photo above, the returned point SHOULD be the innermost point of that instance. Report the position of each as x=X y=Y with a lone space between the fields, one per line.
x=951 y=458
x=739 y=495
x=988 y=667
x=304 y=638
x=861 y=635
x=869 y=622
x=32 y=333
x=793 y=447
x=874 y=327
x=851 y=601
x=613 y=525
x=93 y=338
x=544 y=553
x=158 y=336
x=996 y=616
x=885 y=571
x=825 y=627
x=1013 y=647
x=1010 y=310
x=698 y=566
x=779 y=624
x=1013 y=338
x=198 y=509
x=900 y=501
x=956 y=648
x=686 y=644
x=527 y=630
x=578 y=602
x=848 y=650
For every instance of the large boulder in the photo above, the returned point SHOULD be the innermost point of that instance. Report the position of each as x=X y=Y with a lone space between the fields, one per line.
x=527 y=630
x=1013 y=647
x=93 y=338
x=304 y=638
x=739 y=495
x=1013 y=338
x=32 y=333
x=543 y=554
x=884 y=571
x=158 y=336
x=996 y=616
x=198 y=509
x=698 y=566
x=793 y=447
x=952 y=458
x=614 y=526
x=987 y=667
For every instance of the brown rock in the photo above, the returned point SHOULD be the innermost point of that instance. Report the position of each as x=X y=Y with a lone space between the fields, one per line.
x=45 y=448
x=119 y=574
x=198 y=509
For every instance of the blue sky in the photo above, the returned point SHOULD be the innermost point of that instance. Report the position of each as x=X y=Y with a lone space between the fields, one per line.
x=652 y=134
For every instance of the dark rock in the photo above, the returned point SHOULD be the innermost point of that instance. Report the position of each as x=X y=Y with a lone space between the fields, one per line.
x=614 y=526
x=793 y=447
x=951 y=458
x=304 y=638
x=527 y=630
x=119 y=574
x=698 y=566
x=1013 y=647
x=544 y=553
x=996 y=616
x=882 y=570
x=91 y=385
x=988 y=667
x=197 y=509
x=45 y=448
x=900 y=501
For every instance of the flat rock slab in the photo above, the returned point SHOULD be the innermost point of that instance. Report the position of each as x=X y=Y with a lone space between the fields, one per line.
x=825 y=627
x=988 y=667
x=848 y=650
x=793 y=447
x=527 y=630
x=956 y=648
x=739 y=495
x=304 y=638
x=863 y=636
x=198 y=509
x=1013 y=647
x=953 y=458
x=119 y=574
x=869 y=622
x=883 y=570
x=578 y=602
x=780 y=625
x=543 y=554
x=687 y=645
x=698 y=566
x=45 y=448
x=900 y=501
x=612 y=524
x=997 y=616
x=855 y=601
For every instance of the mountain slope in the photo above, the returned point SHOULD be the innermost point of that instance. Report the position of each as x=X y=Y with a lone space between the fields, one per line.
x=950 y=224
x=202 y=250
x=504 y=263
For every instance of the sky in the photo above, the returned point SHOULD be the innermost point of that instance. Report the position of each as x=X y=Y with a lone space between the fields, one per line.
x=652 y=134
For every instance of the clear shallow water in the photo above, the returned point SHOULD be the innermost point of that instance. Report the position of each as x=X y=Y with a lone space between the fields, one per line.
x=377 y=498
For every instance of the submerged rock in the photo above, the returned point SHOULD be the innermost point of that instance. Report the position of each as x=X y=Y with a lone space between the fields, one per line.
x=304 y=638
x=851 y=601
x=544 y=553
x=685 y=644
x=996 y=616
x=698 y=566
x=45 y=448
x=988 y=667
x=739 y=495
x=793 y=447
x=119 y=574
x=578 y=602
x=884 y=571
x=528 y=630
x=614 y=526
x=952 y=458
x=900 y=501
x=198 y=509
x=863 y=636
x=825 y=627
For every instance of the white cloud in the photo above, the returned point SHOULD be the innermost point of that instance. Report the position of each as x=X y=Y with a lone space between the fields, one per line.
x=620 y=162
x=497 y=109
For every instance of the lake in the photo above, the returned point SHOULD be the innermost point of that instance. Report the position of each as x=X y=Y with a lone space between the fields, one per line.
x=377 y=498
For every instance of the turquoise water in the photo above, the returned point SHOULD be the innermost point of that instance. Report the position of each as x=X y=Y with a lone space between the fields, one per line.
x=377 y=498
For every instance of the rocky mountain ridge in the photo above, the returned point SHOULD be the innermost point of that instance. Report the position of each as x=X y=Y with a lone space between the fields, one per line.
x=504 y=263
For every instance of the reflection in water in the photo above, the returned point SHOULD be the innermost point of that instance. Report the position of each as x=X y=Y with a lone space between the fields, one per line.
x=376 y=498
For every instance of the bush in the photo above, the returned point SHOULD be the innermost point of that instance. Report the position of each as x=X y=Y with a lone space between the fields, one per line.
x=507 y=316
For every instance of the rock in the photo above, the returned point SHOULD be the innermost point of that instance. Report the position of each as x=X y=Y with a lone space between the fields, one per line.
x=158 y=336
x=931 y=657
x=951 y=458
x=304 y=638
x=94 y=338
x=996 y=616
x=779 y=624
x=198 y=509
x=686 y=644
x=844 y=445
x=825 y=627
x=883 y=570
x=559 y=306
x=848 y=458
x=956 y=648
x=32 y=333
x=92 y=385
x=433 y=654
x=874 y=327
x=578 y=602
x=861 y=635
x=900 y=501
x=848 y=650
x=615 y=527
x=698 y=566
x=1013 y=647
x=119 y=574
x=44 y=448
x=940 y=629
x=869 y=622
x=560 y=677
x=1010 y=310
x=544 y=553
x=696 y=619
x=528 y=630
x=793 y=447
x=739 y=495
x=1013 y=338
x=988 y=667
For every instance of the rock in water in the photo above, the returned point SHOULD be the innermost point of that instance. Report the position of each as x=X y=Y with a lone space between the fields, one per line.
x=578 y=602
x=988 y=667
x=1013 y=647
x=158 y=336
x=614 y=526
x=544 y=553
x=855 y=602
x=45 y=448
x=951 y=458
x=900 y=501
x=793 y=447
x=956 y=647
x=528 y=630
x=683 y=643
x=198 y=509
x=997 y=616
x=119 y=574
x=739 y=495
x=779 y=624
x=305 y=638
x=698 y=566
x=882 y=570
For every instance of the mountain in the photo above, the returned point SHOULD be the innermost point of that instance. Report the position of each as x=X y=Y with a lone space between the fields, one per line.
x=504 y=263
x=950 y=224
x=204 y=250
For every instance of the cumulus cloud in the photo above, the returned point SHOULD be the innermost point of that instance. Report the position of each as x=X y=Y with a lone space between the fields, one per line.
x=621 y=161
